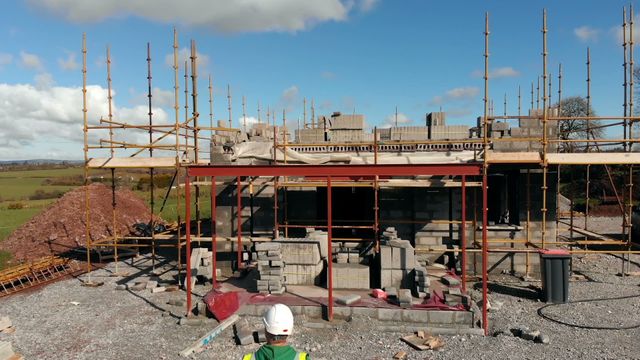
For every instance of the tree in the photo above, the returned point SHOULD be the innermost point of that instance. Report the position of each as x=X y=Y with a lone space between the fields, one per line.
x=578 y=127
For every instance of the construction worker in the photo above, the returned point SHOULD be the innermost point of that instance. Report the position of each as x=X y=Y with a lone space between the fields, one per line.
x=278 y=325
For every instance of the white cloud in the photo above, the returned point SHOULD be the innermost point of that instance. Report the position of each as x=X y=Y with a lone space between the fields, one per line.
x=390 y=120
x=455 y=94
x=46 y=121
x=5 y=59
x=185 y=54
x=617 y=31
x=586 y=33
x=221 y=15
x=290 y=97
x=501 y=72
x=249 y=121
x=69 y=63
x=31 y=61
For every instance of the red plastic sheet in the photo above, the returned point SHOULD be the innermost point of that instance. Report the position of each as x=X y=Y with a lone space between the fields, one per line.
x=221 y=304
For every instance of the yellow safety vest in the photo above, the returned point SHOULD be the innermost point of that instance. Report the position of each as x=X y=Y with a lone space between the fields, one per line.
x=299 y=356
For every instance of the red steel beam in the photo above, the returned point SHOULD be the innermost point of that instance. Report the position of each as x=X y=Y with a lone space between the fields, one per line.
x=239 y=218
x=337 y=170
x=485 y=254
x=463 y=233
x=187 y=185
x=330 y=260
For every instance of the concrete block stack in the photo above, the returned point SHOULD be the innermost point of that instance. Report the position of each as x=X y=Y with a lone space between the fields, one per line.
x=309 y=135
x=421 y=282
x=302 y=259
x=346 y=122
x=409 y=133
x=271 y=279
x=201 y=264
x=397 y=259
x=346 y=135
x=450 y=132
x=350 y=276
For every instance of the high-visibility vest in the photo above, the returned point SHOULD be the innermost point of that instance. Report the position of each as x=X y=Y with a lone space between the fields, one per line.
x=299 y=356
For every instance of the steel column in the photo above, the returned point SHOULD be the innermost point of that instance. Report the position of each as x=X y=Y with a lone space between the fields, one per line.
x=239 y=219
x=463 y=233
x=214 y=235
x=329 y=252
x=485 y=253
x=187 y=195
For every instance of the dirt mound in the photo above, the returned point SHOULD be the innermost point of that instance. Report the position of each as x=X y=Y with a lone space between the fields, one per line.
x=61 y=226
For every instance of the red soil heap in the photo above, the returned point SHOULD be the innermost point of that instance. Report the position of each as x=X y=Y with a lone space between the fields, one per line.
x=61 y=226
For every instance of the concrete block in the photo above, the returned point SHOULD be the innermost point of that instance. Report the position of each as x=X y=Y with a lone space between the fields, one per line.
x=428 y=240
x=348 y=299
x=342 y=258
x=390 y=314
x=350 y=276
x=463 y=318
x=158 y=289
x=303 y=274
x=312 y=311
x=266 y=246
x=342 y=312
x=364 y=311
x=354 y=258
x=442 y=317
x=415 y=316
x=300 y=251
x=386 y=260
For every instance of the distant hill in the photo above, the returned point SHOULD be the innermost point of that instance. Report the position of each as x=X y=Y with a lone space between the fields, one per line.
x=41 y=162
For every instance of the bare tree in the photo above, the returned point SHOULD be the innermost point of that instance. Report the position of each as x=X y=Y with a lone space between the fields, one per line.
x=577 y=127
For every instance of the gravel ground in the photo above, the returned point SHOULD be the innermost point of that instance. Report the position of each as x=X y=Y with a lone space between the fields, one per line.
x=108 y=324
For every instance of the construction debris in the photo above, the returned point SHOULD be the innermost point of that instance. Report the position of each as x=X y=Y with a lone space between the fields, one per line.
x=6 y=352
x=5 y=323
x=244 y=334
x=400 y=355
x=423 y=341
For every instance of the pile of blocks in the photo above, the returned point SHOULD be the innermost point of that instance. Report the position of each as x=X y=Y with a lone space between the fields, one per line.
x=201 y=264
x=397 y=259
x=421 y=282
x=271 y=277
x=245 y=334
x=303 y=261
x=347 y=256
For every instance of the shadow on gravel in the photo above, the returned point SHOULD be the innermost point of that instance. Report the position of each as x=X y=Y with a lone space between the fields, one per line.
x=515 y=291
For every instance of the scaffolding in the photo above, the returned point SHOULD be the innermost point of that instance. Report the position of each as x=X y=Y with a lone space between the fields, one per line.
x=182 y=145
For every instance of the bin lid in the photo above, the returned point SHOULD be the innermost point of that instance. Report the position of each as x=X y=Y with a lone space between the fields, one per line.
x=554 y=252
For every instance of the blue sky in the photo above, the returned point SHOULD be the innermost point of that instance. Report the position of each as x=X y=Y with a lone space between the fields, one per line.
x=362 y=55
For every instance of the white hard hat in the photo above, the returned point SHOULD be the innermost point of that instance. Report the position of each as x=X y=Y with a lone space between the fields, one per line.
x=278 y=320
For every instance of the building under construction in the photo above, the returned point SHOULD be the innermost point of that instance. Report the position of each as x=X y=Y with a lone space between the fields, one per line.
x=309 y=212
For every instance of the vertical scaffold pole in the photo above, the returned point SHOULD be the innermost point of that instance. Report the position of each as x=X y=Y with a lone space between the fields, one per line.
x=485 y=250
x=87 y=214
x=187 y=185
x=545 y=114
